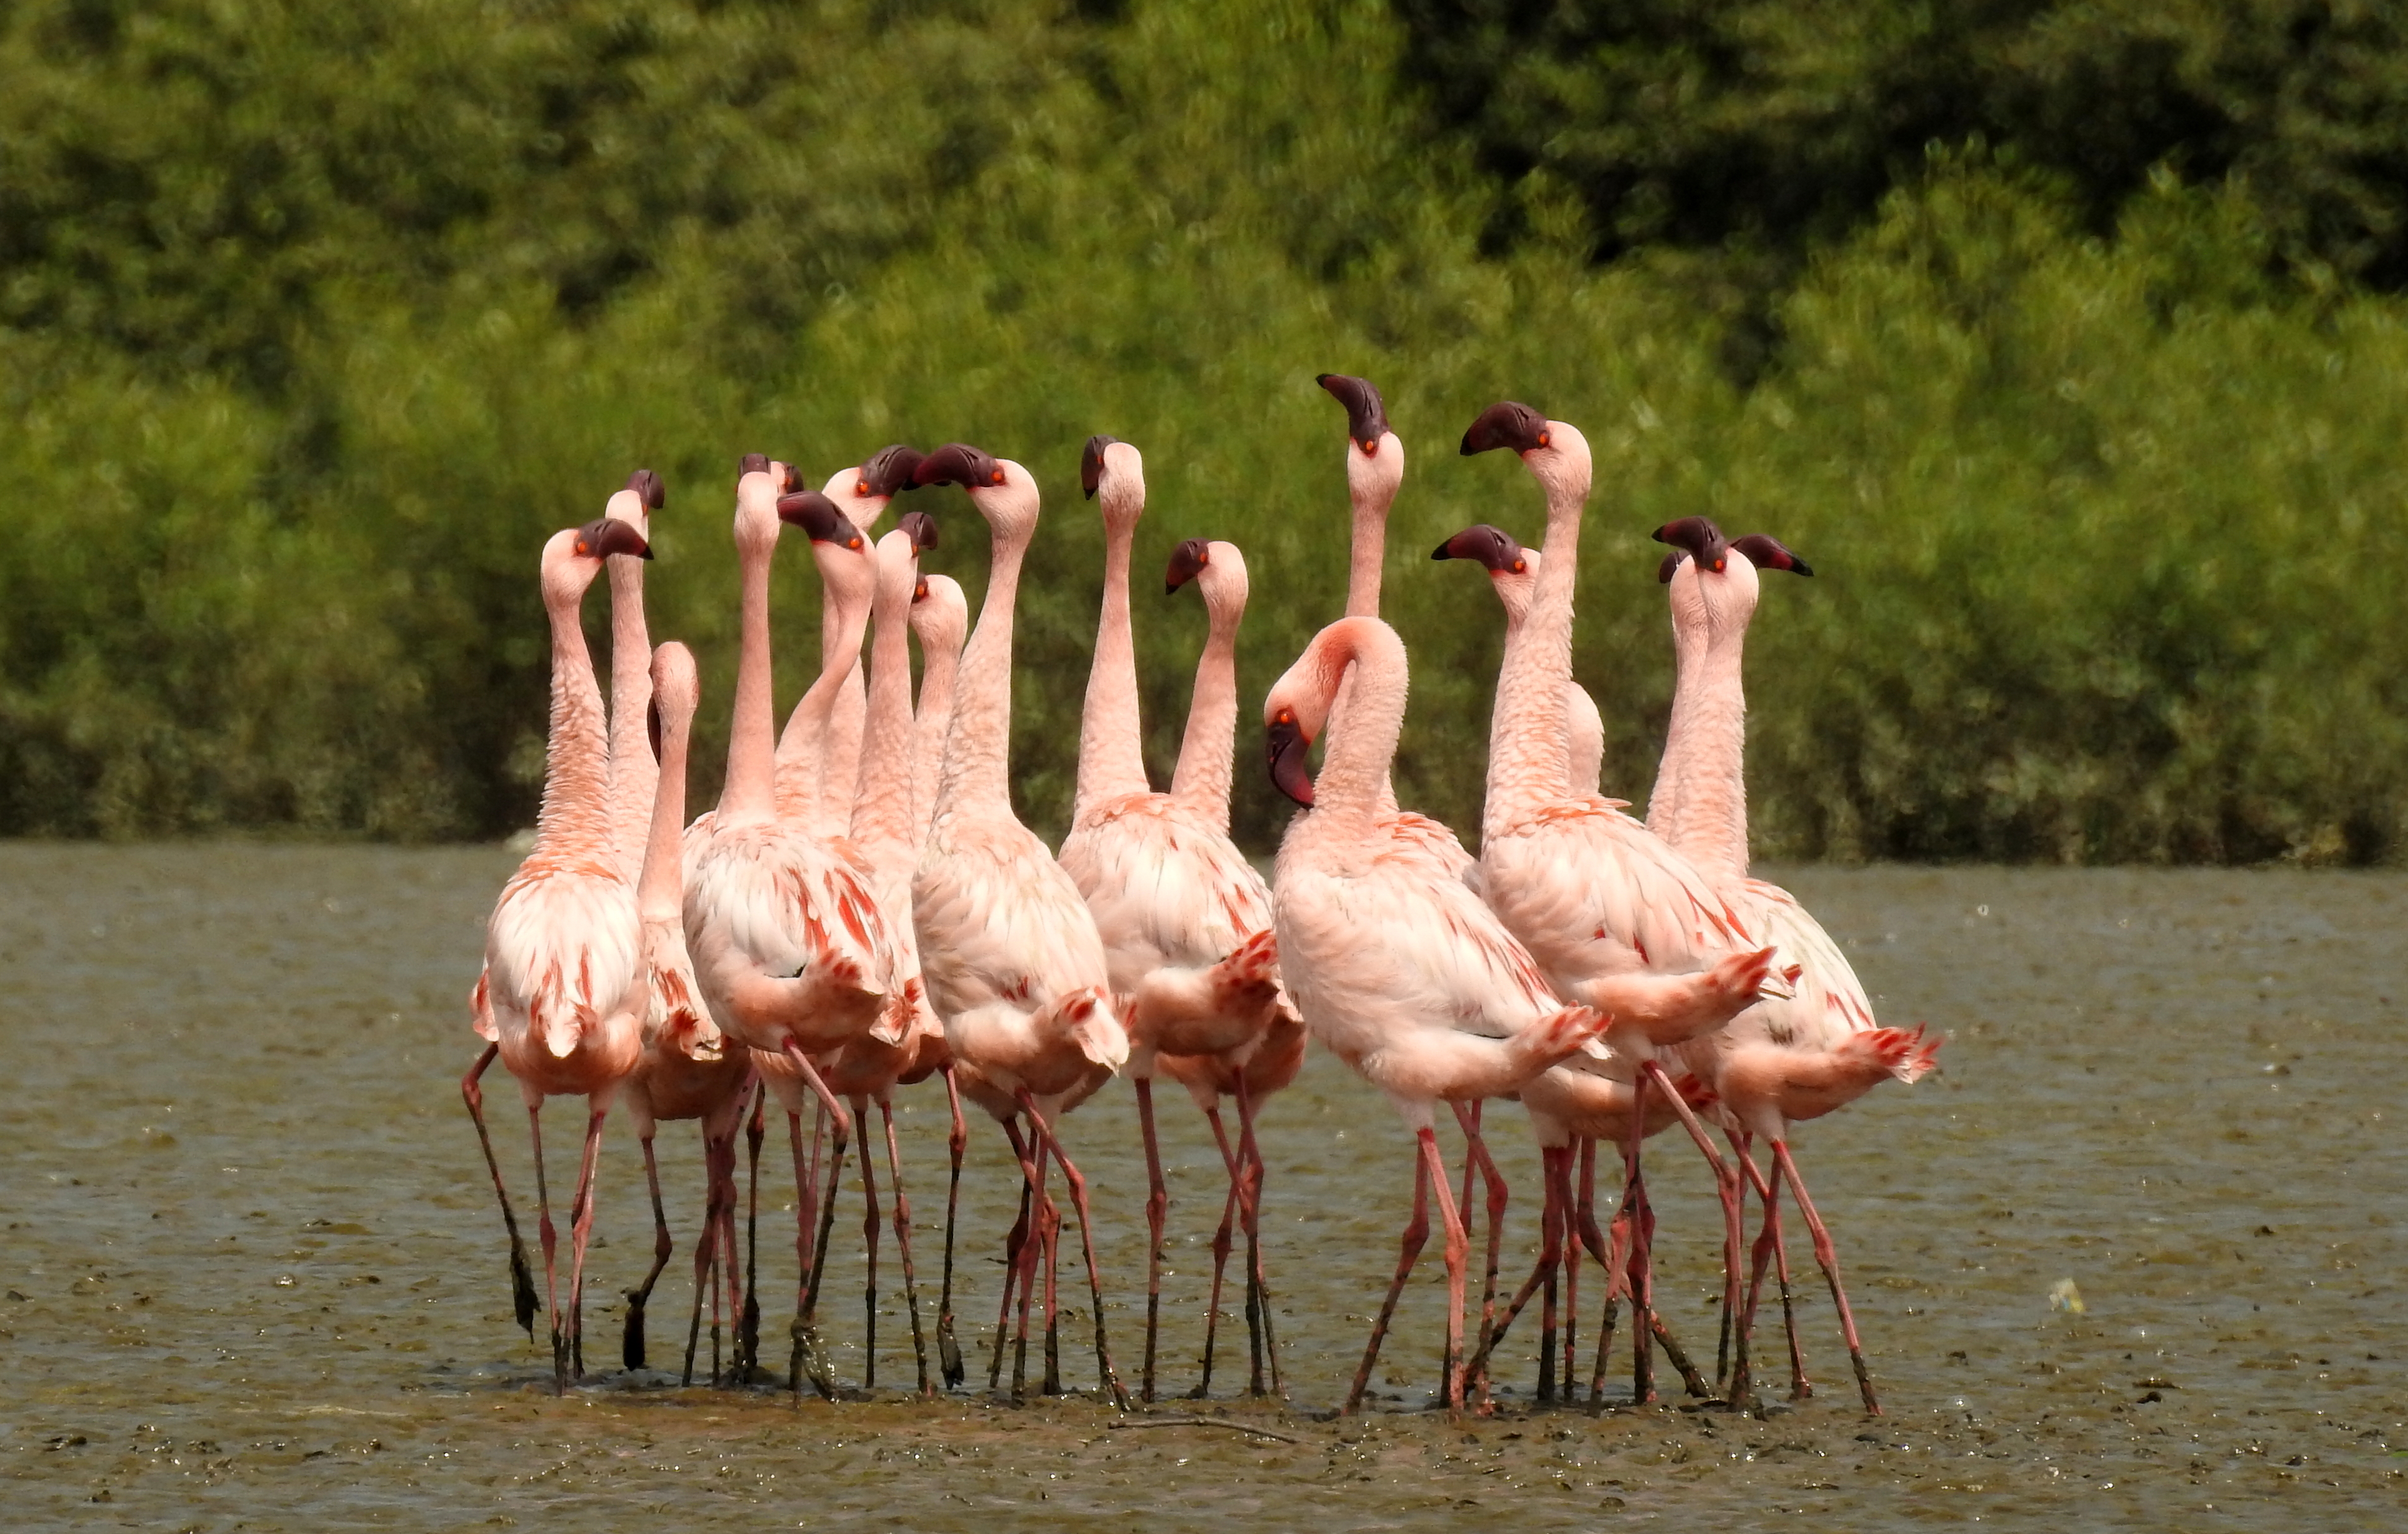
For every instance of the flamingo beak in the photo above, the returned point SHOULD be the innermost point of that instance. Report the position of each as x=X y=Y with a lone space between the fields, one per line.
x=1287 y=745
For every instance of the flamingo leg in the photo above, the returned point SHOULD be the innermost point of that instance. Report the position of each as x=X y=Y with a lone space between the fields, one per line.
x=1157 y=1210
x=748 y=1330
x=1220 y=1250
x=1250 y=1157
x=1012 y=1241
x=1024 y=1253
x=809 y=1354
x=1416 y=1234
x=522 y=1301
x=1639 y=1280
x=1476 y=1153
x=1583 y=1150
x=869 y=1244
x=550 y=1241
x=631 y=1346
x=903 y=1243
x=1608 y=1257
x=1727 y=1188
x=1543 y=1276
x=1458 y=1250
x=705 y=1254
x=580 y=1227
x=1077 y=1185
x=1732 y=1280
x=949 y=1350
x=1829 y=1256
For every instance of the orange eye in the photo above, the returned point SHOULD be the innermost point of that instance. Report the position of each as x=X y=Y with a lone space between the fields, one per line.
x=1543 y=440
x=1287 y=716
x=1372 y=448
x=1521 y=564
x=1718 y=565
x=861 y=487
x=581 y=546
x=997 y=478
x=852 y=543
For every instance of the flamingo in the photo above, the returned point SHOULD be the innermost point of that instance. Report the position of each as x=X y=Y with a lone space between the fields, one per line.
x=1784 y=1060
x=1514 y=571
x=1614 y=917
x=561 y=1000
x=1397 y=967
x=687 y=1070
x=940 y=621
x=792 y=953
x=1008 y=950
x=1185 y=920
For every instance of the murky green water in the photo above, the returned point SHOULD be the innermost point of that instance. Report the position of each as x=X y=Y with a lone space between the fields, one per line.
x=254 y=1277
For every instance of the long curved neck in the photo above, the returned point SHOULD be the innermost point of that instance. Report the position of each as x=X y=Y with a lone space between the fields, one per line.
x=1209 y=747
x=929 y=728
x=1689 y=648
x=573 y=820
x=749 y=793
x=1529 y=764
x=633 y=771
x=1710 y=820
x=883 y=819
x=1351 y=789
x=978 y=747
x=799 y=771
x=661 y=890
x=840 y=759
x=1369 y=548
x=1112 y=755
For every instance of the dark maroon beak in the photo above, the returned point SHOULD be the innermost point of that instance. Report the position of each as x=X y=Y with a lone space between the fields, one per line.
x=652 y=726
x=1507 y=424
x=1766 y=553
x=958 y=463
x=819 y=519
x=1367 y=413
x=1493 y=547
x=888 y=471
x=1187 y=562
x=921 y=526
x=608 y=536
x=647 y=486
x=1672 y=563
x=753 y=462
x=1091 y=462
x=1287 y=747
x=1700 y=537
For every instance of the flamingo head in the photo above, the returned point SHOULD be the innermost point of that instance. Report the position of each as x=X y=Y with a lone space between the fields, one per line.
x=574 y=556
x=1295 y=713
x=862 y=492
x=1699 y=539
x=1766 y=553
x=676 y=688
x=633 y=505
x=941 y=615
x=923 y=528
x=760 y=479
x=1004 y=492
x=1375 y=459
x=1555 y=452
x=1512 y=569
x=1217 y=569
x=898 y=573
x=1115 y=470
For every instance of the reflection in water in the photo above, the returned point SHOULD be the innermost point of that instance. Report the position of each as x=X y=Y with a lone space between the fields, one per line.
x=252 y=1267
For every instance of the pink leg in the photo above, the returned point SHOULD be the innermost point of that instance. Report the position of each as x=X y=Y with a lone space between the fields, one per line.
x=522 y=1303
x=903 y=1245
x=1542 y=1278
x=631 y=1346
x=1476 y=1153
x=809 y=1357
x=1078 y=1186
x=580 y=1227
x=550 y=1241
x=1013 y=1241
x=869 y=1244
x=1416 y=1233
x=949 y=1350
x=1250 y=1157
x=1640 y=1279
x=1157 y=1210
x=1032 y=1242
x=1458 y=1248
x=1727 y=1183
x=747 y=1327
x=1220 y=1250
x=1829 y=1256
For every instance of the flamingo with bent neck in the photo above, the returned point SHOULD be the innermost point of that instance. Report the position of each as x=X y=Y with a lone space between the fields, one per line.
x=1784 y=1060
x=792 y=953
x=1007 y=949
x=1616 y=918
x=1184 y=918
x=1394 y=965
x=562 y=997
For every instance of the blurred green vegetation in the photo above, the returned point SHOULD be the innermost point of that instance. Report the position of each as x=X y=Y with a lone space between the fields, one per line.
x=2065 y=339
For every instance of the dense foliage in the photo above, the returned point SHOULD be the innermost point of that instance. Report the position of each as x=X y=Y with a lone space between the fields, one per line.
x=2062 y=339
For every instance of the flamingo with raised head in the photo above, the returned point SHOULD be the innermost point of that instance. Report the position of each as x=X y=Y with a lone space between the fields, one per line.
x=1784 y=1060
x=1615 y=917
x=1513 y=573
x=562 y=997
x=794 y=957
x=1396 y=965
x=1184 y=918
x=1008 y=950
x=940 y=621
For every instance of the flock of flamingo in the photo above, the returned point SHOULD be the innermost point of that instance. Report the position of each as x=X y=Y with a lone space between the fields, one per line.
x=863 y=911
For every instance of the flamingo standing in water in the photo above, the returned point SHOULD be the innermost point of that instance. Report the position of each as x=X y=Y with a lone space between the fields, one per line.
x=1007 y=949
x=1614 y=917
x=1269 y=1062
x=562 y=997
x=1184 y=918
x=1785 y=1059
x=1396 y=965
x=789 y=945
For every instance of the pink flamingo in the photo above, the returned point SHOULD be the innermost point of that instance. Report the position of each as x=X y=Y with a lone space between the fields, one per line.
x=792 y=955
x=940 y=621
x=1008 y=950
x=1614 y=917
x=1397 y=967
x=1514 y=572
x=1269 y=1062
x=687 y=1070
x=1184 y=918
x=562 y=996
x=1784 y=1060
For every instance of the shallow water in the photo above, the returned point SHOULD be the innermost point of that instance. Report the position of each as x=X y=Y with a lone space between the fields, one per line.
x=253 y=1276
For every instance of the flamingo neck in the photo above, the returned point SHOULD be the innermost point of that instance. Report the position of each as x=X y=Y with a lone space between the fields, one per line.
x=929 y=728
x=1370 y=548
x=1530 y=762
x=1709 y=818
x=977 y=774
x=633 y=771
x=749 y=793
x=802 y=774
x=883 y=819
x=573 y=821
x=1350 y=793
x=660 y=890
x=1111 y=756
x=1208 y=749
x=1689 y=647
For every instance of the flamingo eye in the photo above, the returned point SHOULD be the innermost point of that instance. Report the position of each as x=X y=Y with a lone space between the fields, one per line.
x=861 y=487
x=1521 y=564
x=1287 y=716
x=852 y=543
x=580 y=547
x=997 y=478
x=1718 y=565
x=1371 y=447
x=1543 y=440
